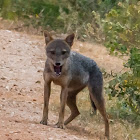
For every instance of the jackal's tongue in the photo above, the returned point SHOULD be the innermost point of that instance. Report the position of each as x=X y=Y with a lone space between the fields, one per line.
x=57 y=69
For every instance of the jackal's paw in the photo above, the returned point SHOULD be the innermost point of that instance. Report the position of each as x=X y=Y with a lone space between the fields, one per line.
x=60 y=125
x=43 y=121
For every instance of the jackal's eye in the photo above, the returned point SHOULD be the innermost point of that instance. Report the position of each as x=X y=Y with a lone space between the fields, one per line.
x=64 y=52
x=52 y=52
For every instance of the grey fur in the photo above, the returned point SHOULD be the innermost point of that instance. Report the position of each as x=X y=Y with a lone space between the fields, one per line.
x=76 y=73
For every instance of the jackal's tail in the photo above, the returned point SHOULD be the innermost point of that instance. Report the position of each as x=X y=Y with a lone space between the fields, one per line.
x=94 y=109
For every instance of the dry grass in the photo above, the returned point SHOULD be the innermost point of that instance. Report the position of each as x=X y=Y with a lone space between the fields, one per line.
x=120 y=129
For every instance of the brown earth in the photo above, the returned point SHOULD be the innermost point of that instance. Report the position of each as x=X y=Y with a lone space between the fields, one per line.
x=22 y=59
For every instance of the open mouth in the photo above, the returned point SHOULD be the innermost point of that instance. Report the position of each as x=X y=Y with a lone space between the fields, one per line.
x=57 y=70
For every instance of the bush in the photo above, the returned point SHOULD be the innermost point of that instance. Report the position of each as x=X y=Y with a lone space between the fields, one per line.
x=42 y=13
x=134 y=61
x=62 y=15
x=126 y=88
x=121 y=28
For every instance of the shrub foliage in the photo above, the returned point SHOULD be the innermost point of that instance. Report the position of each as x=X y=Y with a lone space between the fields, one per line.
x=121 y=28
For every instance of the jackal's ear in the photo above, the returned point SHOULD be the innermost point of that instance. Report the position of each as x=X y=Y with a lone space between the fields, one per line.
x=69 y=39
x=48 y=37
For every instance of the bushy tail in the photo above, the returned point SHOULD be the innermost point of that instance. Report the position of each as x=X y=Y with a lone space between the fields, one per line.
x=94 y=109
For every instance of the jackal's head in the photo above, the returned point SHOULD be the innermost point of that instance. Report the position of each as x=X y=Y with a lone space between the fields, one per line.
x=58 y=51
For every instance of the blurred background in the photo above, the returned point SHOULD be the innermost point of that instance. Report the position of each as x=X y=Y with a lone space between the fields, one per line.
x=113 y=23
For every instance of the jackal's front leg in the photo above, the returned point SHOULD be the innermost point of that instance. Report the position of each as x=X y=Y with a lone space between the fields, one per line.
x=63 y=100
x=46 y=103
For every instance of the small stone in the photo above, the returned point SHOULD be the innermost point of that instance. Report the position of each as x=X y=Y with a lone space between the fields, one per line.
x=38 y=82
x=3 y=78
x=7 y=135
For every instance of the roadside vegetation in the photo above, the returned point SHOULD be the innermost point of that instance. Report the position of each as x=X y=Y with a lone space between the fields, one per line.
x=114 y=23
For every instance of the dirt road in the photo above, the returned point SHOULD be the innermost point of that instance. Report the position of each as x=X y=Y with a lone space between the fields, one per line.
x=22 y=59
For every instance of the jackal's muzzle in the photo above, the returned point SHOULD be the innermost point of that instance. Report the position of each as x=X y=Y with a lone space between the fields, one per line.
x=57 y=70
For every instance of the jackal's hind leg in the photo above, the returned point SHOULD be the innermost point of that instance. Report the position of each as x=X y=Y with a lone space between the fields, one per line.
x=98 y=99
x=71 y=102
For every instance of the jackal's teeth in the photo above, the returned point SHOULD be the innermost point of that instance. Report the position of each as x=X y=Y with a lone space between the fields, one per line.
x=57 y=74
